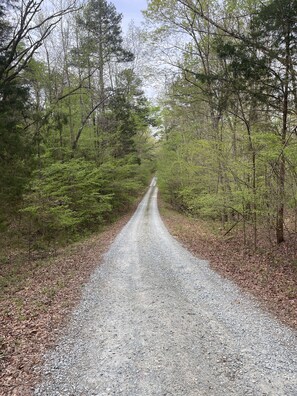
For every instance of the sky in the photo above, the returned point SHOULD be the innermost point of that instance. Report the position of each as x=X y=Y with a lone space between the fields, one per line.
x=131 y=10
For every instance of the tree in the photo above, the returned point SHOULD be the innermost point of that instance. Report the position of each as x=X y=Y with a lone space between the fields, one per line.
x=103 y=36
x=14 y=144
x=100 y=42
x=30 y=31
x=20 y=38
x=75 y=147
x=239 y=58
x=276 y=26
x=130 y=114
x=265 y=71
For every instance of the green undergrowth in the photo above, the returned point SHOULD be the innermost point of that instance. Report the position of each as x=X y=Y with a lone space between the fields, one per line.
x=21 y=257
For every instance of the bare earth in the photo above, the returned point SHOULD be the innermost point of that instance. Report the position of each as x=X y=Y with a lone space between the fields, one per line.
x=154 y=320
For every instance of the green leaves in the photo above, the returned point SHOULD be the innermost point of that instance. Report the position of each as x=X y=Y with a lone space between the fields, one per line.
x=71 y=197
x=101 y=25
x=63 y=197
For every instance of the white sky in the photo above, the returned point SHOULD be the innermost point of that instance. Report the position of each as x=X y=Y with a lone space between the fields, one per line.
x=131 y=10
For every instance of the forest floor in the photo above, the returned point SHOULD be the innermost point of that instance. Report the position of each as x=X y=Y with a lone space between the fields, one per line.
x=36 y=297
x=269 y=273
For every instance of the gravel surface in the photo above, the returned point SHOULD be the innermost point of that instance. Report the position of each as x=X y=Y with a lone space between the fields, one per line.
x=154 y=320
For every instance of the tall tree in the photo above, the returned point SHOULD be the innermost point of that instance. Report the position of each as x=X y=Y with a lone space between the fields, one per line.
x=276 y=27
x=102 y=36
x=100 y=42
x=14 y=148
x=240 y=58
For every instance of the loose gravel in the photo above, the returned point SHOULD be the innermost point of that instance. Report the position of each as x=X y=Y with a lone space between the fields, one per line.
x=154 y=321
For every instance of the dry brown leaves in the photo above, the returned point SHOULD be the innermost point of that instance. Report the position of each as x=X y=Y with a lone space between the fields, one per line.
x=33 y=311
x=270 y=273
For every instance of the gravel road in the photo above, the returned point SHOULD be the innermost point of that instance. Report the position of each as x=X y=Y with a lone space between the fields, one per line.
x=154 y=321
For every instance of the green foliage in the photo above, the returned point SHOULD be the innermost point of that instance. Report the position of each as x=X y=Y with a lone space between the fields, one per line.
x=66 y=196
x=124 y=181
x=75 y=145
x=228 y=149
x=15 y=149
x=102 y=25
x=76 y=196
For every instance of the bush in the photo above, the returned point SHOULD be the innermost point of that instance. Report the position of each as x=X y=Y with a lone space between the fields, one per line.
x=68 y=198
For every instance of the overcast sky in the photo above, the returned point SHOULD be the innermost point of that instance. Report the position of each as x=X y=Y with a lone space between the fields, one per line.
x=131 y=10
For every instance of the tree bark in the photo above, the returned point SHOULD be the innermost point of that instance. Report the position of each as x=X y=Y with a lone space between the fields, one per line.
x=282 y=166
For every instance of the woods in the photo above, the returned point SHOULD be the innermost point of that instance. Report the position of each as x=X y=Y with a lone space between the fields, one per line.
x=75 y=146
x=229 y=138
x=77 y=130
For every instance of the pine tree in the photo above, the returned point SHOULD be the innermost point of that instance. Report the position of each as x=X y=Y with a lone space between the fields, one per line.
x=102 y=39
x=275 y=27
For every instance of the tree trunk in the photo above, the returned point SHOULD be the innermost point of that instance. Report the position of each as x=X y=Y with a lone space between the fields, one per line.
x=282 y=166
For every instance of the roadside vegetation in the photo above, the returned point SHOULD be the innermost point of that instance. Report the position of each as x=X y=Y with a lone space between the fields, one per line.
x=75 y=142
x=229 y=115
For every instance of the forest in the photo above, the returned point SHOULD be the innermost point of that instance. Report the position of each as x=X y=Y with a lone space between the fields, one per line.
x=229 y=114
x=75 y=142
x=76 y=128
x=77 y=131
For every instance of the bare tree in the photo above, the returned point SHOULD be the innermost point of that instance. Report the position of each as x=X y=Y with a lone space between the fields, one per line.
x=28 y=34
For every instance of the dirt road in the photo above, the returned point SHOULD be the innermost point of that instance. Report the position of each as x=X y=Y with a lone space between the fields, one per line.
x=154 y=321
